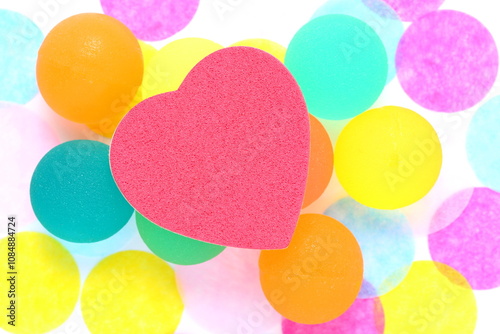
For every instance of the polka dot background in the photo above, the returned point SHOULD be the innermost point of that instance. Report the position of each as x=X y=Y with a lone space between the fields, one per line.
x=47 y=285
x=20 y=39
x=447 y=61
x=131 y=292
x=152 y=20
x=365 y=316
x=386 y=240
x=25 y=136
x=229 y=283
x=378 y=15
x=435 y=299
x=483 y=141
x=410 y=10
x=471 y=243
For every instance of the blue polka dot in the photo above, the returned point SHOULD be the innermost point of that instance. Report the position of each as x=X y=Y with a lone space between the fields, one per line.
x=74 y=195
x=386 y=241
x=483 y=144
x=378 y=15
x=20 y=40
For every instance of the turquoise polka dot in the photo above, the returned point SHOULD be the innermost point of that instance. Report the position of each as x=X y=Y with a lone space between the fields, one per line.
x=173 y=247
x=74 y=195
x=340 y=64
x=20 y=40
x=483 y=144
x=379 y=16
x=386 y=241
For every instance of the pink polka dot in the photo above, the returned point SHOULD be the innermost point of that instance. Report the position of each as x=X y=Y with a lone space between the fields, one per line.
x=447 y=61
x=365 y=316
x=471 y=244
x=152 y=20
x=450 y=210
x=410 y=10
x=24 y=140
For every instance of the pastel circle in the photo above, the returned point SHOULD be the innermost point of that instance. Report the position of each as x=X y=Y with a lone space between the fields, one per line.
x=386 y=241
x=152 y=20
x=20 y=39
x=450 y=210
x=378 y=15
x=25 y=136
x=320 y=162
x=47 y=283
x=483 y=141
x=73 y=193
x=169 y=67
x=131 y=292
x=340 y=64
x=410 y=10
x=365 y=316
x=229 y=283
x=106 y=127
x=89 y=67
x=433 y=299
x=447 y=61
x=173 y=247
x=317 y=278
x=471 y=244
x=270 y=47
x=388 y=158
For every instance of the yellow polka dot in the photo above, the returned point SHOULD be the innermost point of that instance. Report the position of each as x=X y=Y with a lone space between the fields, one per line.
x=388 y=158
x=433 y=299
x=266 y=45
x=131 y=292
x=47 y=283
x=171 y=64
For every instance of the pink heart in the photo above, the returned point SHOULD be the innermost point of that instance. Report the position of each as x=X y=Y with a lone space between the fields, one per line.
x=223 y=159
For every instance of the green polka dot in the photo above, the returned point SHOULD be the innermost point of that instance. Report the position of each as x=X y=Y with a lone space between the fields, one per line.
x=340 y=64
x=173 y=247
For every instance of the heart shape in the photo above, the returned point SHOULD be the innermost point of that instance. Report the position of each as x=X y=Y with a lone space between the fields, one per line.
x=224 y=159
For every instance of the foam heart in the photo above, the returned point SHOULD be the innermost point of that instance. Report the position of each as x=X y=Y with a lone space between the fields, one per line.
x=223 y=159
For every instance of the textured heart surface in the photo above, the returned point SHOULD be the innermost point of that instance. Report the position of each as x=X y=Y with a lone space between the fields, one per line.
x=224 y=159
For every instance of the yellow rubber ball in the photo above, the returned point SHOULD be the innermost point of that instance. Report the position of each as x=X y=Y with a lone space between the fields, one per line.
x=388 y=158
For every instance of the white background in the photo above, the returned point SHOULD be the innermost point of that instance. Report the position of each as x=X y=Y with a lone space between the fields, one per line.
x=278 y=20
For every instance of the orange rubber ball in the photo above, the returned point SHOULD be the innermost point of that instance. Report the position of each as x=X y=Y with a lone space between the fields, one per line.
x=89 y=67
x=320 y=162
x=318 y=277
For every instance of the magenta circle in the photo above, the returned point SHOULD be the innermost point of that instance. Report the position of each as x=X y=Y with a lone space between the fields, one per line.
x=471 y=243
x=447 y=61
x=152 y=20
x=410 y=10
x=365 y=316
